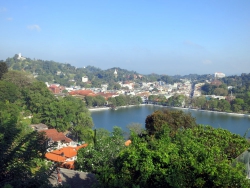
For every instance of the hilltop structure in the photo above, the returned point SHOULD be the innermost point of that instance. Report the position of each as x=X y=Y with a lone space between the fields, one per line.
x=115 y=73
x=20 y=57
x=219 y=75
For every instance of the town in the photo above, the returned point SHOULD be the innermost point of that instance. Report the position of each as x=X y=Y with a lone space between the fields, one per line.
x=61 y=112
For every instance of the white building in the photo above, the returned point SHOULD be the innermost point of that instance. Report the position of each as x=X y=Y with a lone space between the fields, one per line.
x=85 y=79
x=219 y=75
x=115 y=73
x=20 y=57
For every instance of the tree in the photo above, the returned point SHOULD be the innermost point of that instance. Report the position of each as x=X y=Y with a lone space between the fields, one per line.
x=121 y=100
x=152 y=97
x=89 y=101
x=22 y=153
x=221 y=91
x=199 y=102
x=99 y=101
x=67 y=113
x=213 y=103
x=195 y=157
x=3 y=69
x=98 y=158
x=224 y=105
x=174 y=119
x=9 y=92
x=167 y=79
x=236 y=108
x=136 y=128
x=117 y=86
x=18 y=78
x=38 y=98
x=112 y=101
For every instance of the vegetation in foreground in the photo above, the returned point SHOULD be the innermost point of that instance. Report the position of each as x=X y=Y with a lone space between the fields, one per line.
x=173 y=151
x=24 y=100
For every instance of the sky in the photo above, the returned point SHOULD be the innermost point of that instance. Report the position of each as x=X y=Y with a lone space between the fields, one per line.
x=147 y=36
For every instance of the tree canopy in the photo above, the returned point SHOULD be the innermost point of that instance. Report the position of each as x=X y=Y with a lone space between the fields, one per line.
x=3 y=69
x=194 y=156
x=174 y=119
x=22 y=152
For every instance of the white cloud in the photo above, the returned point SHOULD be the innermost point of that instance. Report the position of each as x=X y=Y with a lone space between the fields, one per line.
x=9 y=19
x=207 y=62
x=192 y=44
x=34 y=27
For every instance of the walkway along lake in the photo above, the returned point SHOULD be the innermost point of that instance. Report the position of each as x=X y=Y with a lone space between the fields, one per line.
x=122 y=117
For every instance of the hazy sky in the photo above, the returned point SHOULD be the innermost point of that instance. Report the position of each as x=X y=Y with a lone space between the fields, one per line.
x=147 y=36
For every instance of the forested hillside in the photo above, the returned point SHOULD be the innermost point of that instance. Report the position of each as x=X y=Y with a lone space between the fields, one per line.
x=237 y=90
x=67 y=75
x=25 y=101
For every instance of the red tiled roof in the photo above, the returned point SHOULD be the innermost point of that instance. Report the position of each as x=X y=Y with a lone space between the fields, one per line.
x=91 y=94
x=54 y=157
x=62 y=154
x=81 y=92
x=81 y=146
x=106 y=95
x=53 y=86
x=66 y=151
x=56 y=136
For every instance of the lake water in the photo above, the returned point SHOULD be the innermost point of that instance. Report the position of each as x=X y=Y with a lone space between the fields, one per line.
x=122 y=117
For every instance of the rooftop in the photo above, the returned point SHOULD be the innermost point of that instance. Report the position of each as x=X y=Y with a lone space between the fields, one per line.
x=56 y=136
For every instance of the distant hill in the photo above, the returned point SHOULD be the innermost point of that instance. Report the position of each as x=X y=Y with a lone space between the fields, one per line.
x=66 y=74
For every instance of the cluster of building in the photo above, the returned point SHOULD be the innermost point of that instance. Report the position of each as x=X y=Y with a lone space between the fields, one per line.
x=143 y=89
x=61 y=149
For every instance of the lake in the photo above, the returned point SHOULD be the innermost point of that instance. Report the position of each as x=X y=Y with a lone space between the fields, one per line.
x=122 y=117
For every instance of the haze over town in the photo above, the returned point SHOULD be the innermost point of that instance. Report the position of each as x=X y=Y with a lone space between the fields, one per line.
x=163 y=37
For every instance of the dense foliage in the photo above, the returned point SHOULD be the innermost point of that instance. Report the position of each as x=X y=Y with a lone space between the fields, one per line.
x=22 y=151
x=237 y=90
x=174 y=119
x=35 y=100
x=3 y=68
x=99 y=157
x=195 y=157
x=124 y=100
x=174 y=152
x=67 y=75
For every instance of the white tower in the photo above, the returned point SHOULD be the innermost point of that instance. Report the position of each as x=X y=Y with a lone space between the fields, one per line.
x=115 y=73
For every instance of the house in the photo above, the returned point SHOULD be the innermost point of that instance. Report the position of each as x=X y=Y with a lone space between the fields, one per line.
x=85 y=79
x=82 y=92
x=65 y=156
x=57 y=139
x=54 y=89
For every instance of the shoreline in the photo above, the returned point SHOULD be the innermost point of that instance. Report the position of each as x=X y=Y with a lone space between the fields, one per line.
x=108 y=108
x=226 y=113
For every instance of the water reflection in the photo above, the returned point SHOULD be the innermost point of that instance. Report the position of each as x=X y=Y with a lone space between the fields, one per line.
x=125 y=116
